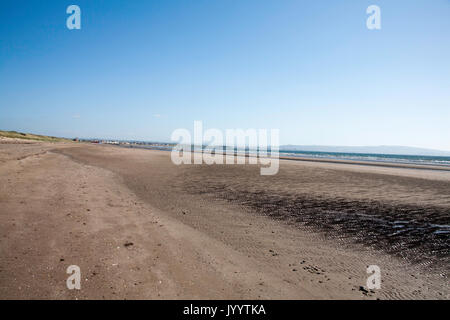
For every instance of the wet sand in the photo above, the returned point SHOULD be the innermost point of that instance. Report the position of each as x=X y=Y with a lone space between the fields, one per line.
x=140 y=227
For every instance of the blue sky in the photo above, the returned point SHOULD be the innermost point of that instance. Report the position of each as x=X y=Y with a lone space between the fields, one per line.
x=141 y=69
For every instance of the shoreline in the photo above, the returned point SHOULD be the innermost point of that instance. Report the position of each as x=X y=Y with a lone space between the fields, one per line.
x=379 y=163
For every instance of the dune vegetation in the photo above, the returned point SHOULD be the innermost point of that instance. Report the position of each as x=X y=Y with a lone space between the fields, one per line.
x=30 y=136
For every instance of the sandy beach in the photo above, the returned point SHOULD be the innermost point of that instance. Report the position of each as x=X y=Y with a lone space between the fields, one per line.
x=140 y=227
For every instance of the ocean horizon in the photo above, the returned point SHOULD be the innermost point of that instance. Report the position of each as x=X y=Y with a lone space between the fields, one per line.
x=351 y=156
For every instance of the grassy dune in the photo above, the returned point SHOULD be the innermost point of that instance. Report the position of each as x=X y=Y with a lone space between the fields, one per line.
x=30 y=136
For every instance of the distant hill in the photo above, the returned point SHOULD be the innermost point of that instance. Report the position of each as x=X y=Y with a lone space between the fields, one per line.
x=29 y=136
x=368 y=149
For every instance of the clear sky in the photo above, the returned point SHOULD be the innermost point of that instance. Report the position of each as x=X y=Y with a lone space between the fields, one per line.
x=141 y=69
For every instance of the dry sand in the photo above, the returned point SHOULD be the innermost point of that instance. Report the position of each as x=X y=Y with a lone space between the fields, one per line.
x=140 y=227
